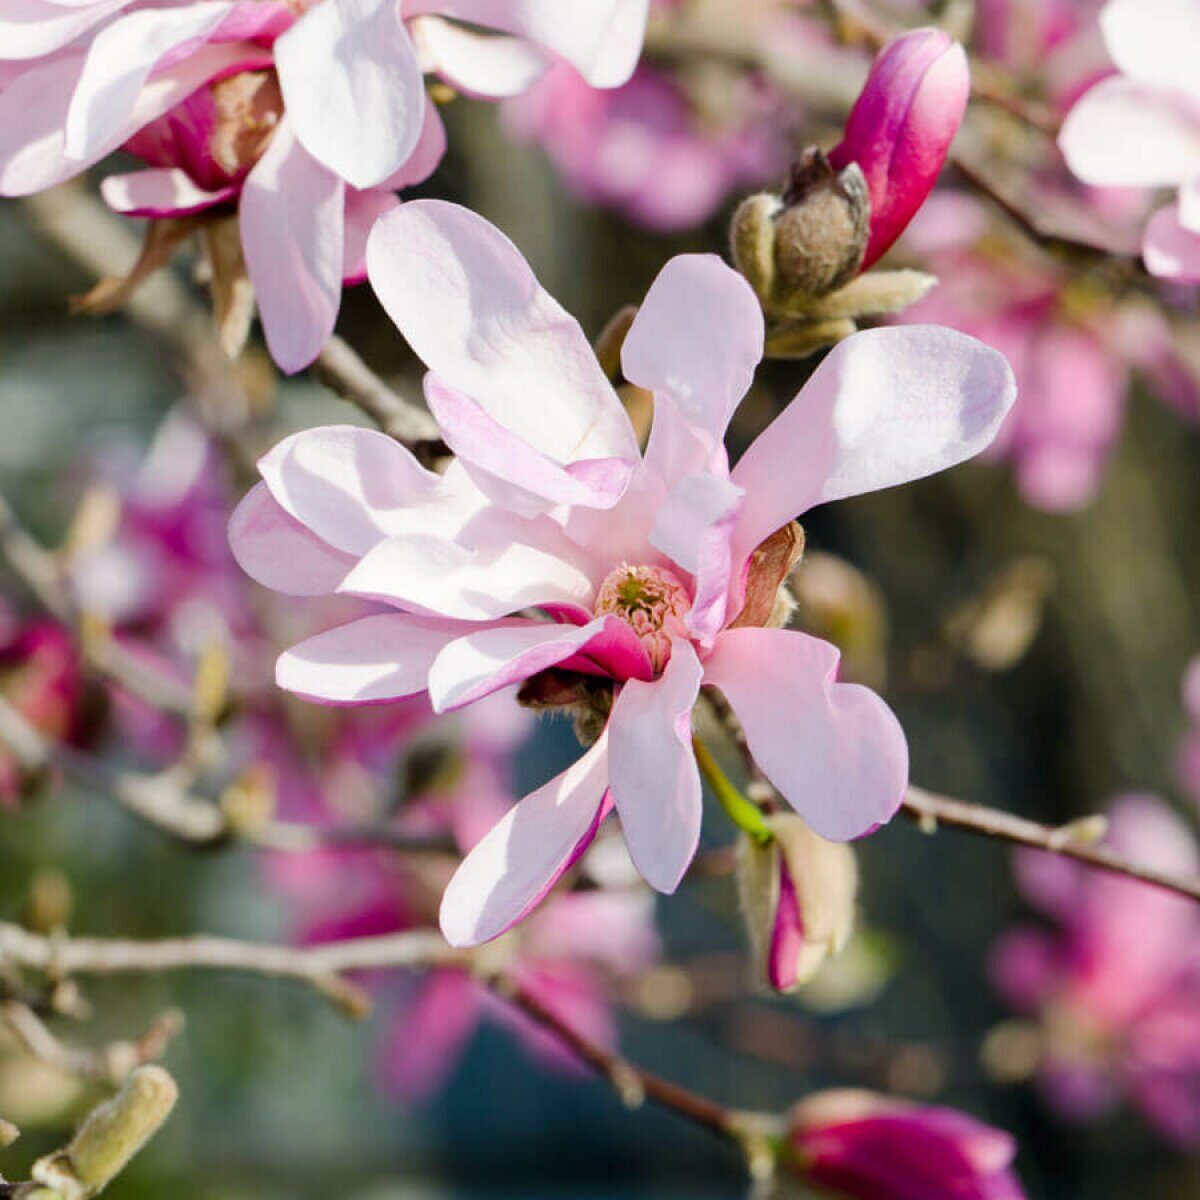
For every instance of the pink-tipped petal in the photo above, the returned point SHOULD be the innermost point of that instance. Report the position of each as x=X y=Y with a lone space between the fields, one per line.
x=353 y=88
x=161 y=192
x=513 y=867
x=834 y=750
x=901 y=127
x=374 y=659
x=655 y=780
x=293 y=237
x=1171 y=251
x=274 y=549
x=480 y=663
x=885 y=407
x=347 y=484
x=1127 y=134
x=428 y=152
x=473 y=311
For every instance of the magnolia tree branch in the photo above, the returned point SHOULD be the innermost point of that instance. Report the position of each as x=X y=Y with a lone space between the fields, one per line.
x=1074 y=840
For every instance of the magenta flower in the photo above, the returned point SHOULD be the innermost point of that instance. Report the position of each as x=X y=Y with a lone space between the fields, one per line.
x=1141 y=128
x=900 y=129
x=1116 y=989
x=308 y=116
x=869 y=1147
x=636 y=570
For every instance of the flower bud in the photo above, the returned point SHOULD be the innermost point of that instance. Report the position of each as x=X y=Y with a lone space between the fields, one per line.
x=810 y=240
x=901 y=127
x=797 y=895
x=859 y=1144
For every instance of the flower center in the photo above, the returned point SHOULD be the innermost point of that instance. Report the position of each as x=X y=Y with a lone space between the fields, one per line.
x=652 y=602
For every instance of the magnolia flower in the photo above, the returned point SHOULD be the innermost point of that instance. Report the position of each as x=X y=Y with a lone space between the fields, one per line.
x=869 y=1147
x=1141 y=128
x=551 y=543
x=900 y=129
x=1116 y=988
x=307 y=116
x=797 y=894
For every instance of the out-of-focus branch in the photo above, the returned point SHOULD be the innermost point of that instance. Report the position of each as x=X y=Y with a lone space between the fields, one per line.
x=109 y=1065
x=42 y=573
x=755 y=1134
x=320 y=967
x=163 y=802
x=1070 y=841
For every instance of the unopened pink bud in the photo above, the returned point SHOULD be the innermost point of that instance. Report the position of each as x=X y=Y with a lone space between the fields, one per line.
x=870 y=1147
x=901 y=127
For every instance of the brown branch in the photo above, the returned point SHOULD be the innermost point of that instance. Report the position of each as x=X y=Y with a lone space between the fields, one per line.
x=752 y=1133
x=931 y=811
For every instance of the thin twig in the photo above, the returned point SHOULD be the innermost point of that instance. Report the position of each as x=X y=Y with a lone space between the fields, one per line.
x=931 y=811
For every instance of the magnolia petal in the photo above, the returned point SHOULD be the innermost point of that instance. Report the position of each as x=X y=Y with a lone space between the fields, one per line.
x=433 y=575
x=368 y=661
x=886 y=407
x=30 y=29
x=517 y=863
x=353 y=88
x=119 y=61
x=473 y=311
x=1171 y=251
x=487 y=67
x=698 y=338
x=1156 y=42
x=293 y=236
x=363 y=209
x=274 y=549
x=1126 y=134
x=834 y=750
x=428 y=152
x=483 y=662
x=161 y=192
x=653 y=772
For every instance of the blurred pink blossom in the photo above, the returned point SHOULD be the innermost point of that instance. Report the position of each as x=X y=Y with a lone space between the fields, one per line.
x=1073 y=350
x=307 y=116
x=1141 y=128
x=1116 y=986
x=869 y=1147
x=639 y=567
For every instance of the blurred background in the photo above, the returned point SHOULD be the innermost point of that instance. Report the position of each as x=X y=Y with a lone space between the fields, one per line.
x=1030 y=618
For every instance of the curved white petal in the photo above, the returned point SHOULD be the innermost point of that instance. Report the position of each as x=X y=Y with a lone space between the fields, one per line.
x=526 y=853
x=652 y=769
x=353 y=88
x=1154 y=41
x=487 y=67
x=32 y=28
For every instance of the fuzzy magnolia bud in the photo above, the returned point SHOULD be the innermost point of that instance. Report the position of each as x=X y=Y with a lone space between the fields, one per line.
x=797 y=893
x=858 y=1144
x=901 y=127
x=810 y=240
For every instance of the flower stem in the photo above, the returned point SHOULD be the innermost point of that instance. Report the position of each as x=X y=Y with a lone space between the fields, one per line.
x=744 y=814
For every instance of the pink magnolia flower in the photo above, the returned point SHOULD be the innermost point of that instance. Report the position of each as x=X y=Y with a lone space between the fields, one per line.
x=900 y=129
x=1074 y=352
x=308 y=116
x=1116 y=988
x=40 y=677
x=870 y=1147
x=551 y=543
x=1141 y=128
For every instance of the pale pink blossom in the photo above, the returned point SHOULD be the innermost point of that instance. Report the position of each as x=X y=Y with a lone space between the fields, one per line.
x=1116 y=986
x=1141 y=128
x=338 y=119
x=1074 y=353
x=549 y=506
x=900 y=129
x=870 y=1147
